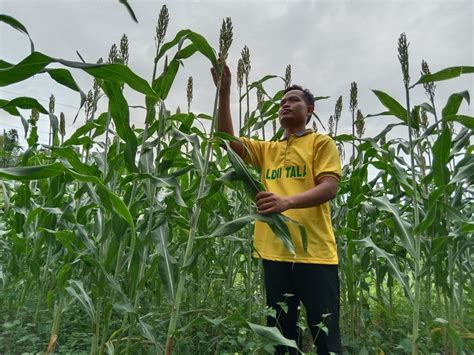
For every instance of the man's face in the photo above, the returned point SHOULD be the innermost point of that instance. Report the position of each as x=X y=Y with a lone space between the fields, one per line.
x=294 y=111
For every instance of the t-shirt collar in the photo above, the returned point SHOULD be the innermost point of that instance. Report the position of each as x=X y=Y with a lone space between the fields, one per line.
x=299 y=134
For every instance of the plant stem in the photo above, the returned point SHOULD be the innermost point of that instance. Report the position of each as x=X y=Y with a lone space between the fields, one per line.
x=417 y=238
x=192 y=233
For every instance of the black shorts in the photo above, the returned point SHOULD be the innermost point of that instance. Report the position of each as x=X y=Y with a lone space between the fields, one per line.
x=317 y=287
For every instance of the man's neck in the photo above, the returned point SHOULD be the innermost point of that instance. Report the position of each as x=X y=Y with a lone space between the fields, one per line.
x=293 y=130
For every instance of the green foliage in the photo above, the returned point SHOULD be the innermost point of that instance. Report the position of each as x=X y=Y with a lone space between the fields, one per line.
x=128 y=240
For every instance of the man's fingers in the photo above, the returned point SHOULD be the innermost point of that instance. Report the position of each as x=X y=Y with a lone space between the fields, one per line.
x=263 y=194
x=266 y=210
x=264 y=200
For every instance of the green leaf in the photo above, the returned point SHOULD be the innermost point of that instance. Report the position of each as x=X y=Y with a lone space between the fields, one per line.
x=441 y=155
x=252 y=186
x=129 y=9
x=233 y=226
x=64 y=77
x=277 y=223
x=163 y=84
x=25 y=103
x=204 y=48
x=467 y=121
x=120 y=113
x=17 y=25
x=118 y=73
x=36 y=62
x=454 y=102
x=28 y=173
x=391 y=263
x=403 y=227
x=445 y=74
x=11 y=110
x=272 y=335
x=464 y=170
x=167 y=265
x=71 y=156
x=28 y=67
x=76 y=290
x=394 y=107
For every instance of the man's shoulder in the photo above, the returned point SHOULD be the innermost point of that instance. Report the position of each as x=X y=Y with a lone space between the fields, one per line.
x=318 y=137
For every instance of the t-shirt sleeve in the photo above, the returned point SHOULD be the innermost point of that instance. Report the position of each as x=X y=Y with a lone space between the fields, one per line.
x=327 y=161
x=253 y=151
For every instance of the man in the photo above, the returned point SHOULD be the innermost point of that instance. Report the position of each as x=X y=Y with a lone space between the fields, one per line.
x=301 y=174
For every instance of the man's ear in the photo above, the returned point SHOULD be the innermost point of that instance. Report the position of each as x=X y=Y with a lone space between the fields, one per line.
x=310 y=109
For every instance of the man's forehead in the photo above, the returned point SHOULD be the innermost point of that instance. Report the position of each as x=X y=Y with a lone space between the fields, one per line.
x=294 y=92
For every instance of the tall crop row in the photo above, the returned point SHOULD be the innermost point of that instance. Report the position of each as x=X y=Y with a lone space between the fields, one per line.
x=123 y=240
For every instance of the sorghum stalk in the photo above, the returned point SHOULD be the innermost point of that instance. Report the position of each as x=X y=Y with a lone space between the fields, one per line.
x=403 y=58
x=52 y=103
x=240 y=83
x=246 y=66
x=225 y=41
x=260 y=94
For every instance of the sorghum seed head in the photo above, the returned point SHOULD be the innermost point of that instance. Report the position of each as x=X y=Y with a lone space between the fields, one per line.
x=225 y=39
x=429 y=86
x=113 y=54
x=331 y=125
x=89 y=104
x=240 y=73
x=403 y=58
x=162 y=25
x=52 y=102
x=246 y=61
x=360 y=124
x=338 y=109
x=353 y=101
x=62 y=124
x=124 y=49
x=424 y=120
x=189 y=90
x=34 y=117
x=260 y=94
x=288 y=76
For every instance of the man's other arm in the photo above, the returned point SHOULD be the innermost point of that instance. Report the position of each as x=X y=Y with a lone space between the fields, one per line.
x=326 y=190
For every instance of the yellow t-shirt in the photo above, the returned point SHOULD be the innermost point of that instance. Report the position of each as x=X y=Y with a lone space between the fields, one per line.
x=289 y=167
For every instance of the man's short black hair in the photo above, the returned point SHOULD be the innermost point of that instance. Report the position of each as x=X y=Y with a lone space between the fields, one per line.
x=308 y=96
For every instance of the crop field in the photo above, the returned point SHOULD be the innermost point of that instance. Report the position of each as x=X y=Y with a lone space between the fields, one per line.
x=123 y=240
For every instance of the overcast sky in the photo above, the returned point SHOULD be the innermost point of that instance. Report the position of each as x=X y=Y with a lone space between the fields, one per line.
x=328 y=43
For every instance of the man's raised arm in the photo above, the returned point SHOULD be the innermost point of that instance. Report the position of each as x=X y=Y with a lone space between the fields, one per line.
x=224 y=118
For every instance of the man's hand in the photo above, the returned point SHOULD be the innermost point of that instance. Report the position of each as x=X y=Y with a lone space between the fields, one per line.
x=325 y=190
x=268 y=202
x=225 y=79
